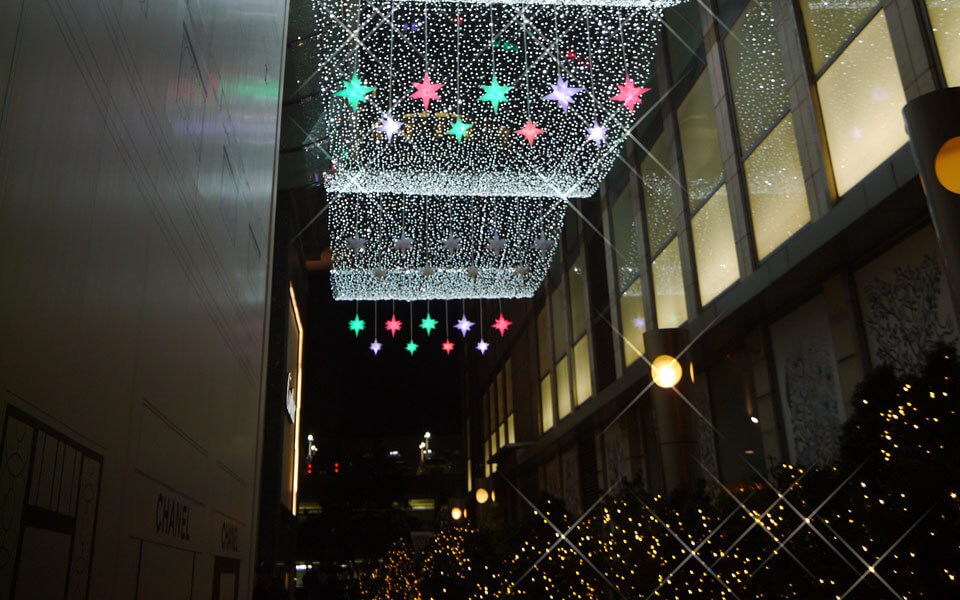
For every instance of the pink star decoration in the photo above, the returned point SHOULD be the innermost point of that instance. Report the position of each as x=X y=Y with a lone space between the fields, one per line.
x=502 y=324
x=394 y=325
x=426 y=91
x=447 y=347
x=529 y=132
x=375 y=347
x=482 y=346
x=630 y=94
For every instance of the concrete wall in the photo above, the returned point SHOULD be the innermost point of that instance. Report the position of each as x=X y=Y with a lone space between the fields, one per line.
x=137 y=158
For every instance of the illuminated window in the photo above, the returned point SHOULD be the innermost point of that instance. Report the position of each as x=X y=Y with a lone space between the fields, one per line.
x=546 y=404
x=543 y=340
x=577 y=279
x=830 y=23
x=558 y=309
x=756 y=72
x=714 y=247
x=564 y=405
x=486 y=458
x=861 y=97
x=658 y=197
x=778 y=198
x=583 y=385
x=668 y=288
x=634 y=323
x=511 y=431
x=627 y=248
x=945 y=19
x=683 y=37
x=700 y=142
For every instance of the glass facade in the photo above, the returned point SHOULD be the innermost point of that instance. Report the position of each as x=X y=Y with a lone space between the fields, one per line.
x=628 y=255
x=945 y=21
x=583 y=382
x=700 y=142
x=634 y=322
x=564 y=404
x=714 y=247
x=546 y=403
x=669 y=296
x=658 y=197
x=830 y=24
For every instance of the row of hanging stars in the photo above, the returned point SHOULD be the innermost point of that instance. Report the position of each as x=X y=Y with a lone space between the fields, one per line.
x=452 y=244
x=355 y=92
x=428 y=324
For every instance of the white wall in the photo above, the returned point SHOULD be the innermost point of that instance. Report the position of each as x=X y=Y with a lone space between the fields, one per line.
x=137 y=153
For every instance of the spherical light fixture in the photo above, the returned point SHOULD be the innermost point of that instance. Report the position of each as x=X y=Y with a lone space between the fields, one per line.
x=482 y=496
x=456 y=513
x=666 y=371
x=947 y=165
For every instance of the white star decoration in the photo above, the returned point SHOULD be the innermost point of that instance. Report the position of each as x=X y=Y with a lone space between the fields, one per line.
x=452 y=244
x=379 y=273
x=495 y=244
x=482 y=346
x=403 y=244
x=521 y=270
x=544 y=245
x=357 y=243
x=427 y=271
x=389 y=126
x=473 y=272
x=597 y=133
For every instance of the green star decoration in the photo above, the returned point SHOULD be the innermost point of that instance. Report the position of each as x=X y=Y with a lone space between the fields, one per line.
x=428 y=323
x=459 y=129
x=357 y=325
x=412 y=347
x=495 y=93
x=354 y=91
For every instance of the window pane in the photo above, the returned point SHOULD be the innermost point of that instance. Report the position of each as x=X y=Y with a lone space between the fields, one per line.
x=546 y=404
x=509 y=369
x=714 y=248
x=502 y=437
x=829 y=24
x=658 y=196
x=581 y=370
x=668 y=292
x=543 y=340
x=945 y=18
x=563 y=388
x=501 y=397
x=634 y=323
x=700 y=142
x=558 y=306
x=511 y=431
x=577 y=278
x=778 y=198
x=684 y=41
x=756 y=72
x=627 y=255
x=861 y=96
x=486 y=458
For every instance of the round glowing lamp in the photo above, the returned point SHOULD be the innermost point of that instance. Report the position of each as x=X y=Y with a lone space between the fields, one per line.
x=666 y=371
x=456 y=513
x=482 y=496
x=947 y=165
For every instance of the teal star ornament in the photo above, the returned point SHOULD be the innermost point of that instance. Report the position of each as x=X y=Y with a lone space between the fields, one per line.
x=412 y=347
x=354 y=91
x=357 y=325
x=428 y=324
x=495 y=94
x=459 y=129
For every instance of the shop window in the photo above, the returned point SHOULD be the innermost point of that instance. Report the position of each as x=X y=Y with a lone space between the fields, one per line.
x=668 y=291
x=700 y=143
x=714 y=247
x=830 y=24
x=945 y=20
x=633 y=323
x=657 y=197
x=778 y=197
x=861 y=97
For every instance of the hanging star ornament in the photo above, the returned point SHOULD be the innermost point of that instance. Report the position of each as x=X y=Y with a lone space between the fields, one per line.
x=473 y=272
x=502 y=324
x=496 y=244
x=482 y=346
x=357 y=325
x=495 y=94
x=562 y=93
x=354 y=91
x=403 y=244
x=530 y=131
x=630 y=94
x=426 y=91
x=375 y=347
x=357 y=243
x=543 y=245
x=459 y=129
x=464 y=325
x=597 y=134
x=411 y=347
x=389 y=127
x=452 y=244
x=394 y=325
x=447 y=347
x=428 y=323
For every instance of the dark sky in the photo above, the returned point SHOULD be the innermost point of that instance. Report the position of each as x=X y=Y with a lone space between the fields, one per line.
x=349 y=392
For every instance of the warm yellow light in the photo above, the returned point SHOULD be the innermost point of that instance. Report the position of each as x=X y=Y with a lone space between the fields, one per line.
x=692 y=378
x=666 y=371
x=456 y=513
x=947 y=165
x=296 y=425
x=493 y=495
x=482 y=496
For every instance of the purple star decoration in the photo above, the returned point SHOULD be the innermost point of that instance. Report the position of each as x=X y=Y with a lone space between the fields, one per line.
x=562 y=93
x=482 y=346
x=389 y=127
x=375 y=347
x=597 y=134
x=464 y=325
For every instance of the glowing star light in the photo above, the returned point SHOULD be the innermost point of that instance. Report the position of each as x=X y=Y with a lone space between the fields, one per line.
x=482 y=346
x=354 y=91
x=530 y=131
x=597 y=134
x=426 y=91
x=403 y=244
x=452 y=244
x=630 y=94
x=495 y=94
x=459 y=129
x=562 y=93
x=394 y=325
x=502 y=324
x=411 y=347
x=464 y=325
x=428 y=323
x=496 y=244
x=357 y=243
x=447 y=347
x=389 y=126
x=357 y=325
x=375 y=347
